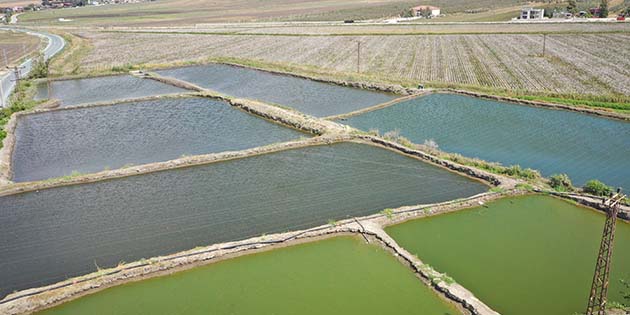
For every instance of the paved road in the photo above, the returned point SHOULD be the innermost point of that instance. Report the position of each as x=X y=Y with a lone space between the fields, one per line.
x=7 y=81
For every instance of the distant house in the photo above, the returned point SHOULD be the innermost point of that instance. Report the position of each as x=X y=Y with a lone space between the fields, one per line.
x=429 y=10
x=532 y=14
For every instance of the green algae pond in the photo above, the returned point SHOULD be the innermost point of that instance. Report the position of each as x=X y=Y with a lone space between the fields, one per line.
x=526 y=255
x=342 y=275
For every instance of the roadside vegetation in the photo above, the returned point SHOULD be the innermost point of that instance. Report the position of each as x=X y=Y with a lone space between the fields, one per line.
x=68 y=61
x=20 y=100
x=22 y=97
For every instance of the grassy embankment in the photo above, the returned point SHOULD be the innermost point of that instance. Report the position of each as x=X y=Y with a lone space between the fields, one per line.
x=20 y=100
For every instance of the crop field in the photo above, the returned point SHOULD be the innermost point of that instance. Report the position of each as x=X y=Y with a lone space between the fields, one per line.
x=573 y=63
x=391 y=29
x=16 y=45
x=185 y=12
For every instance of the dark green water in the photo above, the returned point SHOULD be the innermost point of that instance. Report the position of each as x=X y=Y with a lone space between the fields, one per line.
x=552 y=141
x=89 y=140
x=336 y=276
x=311 y=97
x=52 y=234
x=521 y=256
x=103 y=89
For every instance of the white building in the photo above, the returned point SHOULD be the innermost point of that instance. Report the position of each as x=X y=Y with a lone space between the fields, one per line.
x=419 y=10
x=532 y=14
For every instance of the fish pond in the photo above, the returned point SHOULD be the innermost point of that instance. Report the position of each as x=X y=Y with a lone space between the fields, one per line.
x=308 y=96
x=84 y=140
x=102 y=89
x=53 y=234
x=343 y=275
x=524 y=255
x=552 y=141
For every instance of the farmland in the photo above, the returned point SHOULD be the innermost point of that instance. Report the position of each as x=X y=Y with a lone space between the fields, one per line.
x=16 y=45
x=187 y=12
x=573 y=63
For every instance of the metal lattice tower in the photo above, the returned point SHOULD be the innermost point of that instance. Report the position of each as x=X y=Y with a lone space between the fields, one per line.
x=599 y=288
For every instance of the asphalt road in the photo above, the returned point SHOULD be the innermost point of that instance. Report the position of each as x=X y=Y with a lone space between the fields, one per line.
x=7 y=81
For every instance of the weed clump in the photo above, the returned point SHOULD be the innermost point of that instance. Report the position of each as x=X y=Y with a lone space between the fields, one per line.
x=561 y=183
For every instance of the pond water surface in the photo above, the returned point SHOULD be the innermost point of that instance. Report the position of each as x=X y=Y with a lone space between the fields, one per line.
x=52 y=234
x=308 y=96
x=551 y=141
x=103 y=89
x=336 y=276
x=86 y=140
x=521 y=256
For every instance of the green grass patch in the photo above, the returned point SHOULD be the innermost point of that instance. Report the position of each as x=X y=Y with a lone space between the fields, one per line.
x=20 y=100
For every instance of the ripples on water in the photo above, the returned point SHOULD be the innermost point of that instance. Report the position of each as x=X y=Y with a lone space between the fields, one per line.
x=52 y=234
x=103 y=89
x=92 y=139
x=308 y=96
x=552 y=141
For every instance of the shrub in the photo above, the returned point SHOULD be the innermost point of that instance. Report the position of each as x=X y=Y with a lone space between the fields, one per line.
x=517 y=171
x=39 y=69
x=561 y=182
x=597 y=188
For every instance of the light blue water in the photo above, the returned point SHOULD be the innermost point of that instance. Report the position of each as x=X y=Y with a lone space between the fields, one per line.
x=552 y=141
x=308 y=96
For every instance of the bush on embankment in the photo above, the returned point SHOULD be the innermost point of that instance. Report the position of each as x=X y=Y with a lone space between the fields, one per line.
x=561 y=183
x=597 y=188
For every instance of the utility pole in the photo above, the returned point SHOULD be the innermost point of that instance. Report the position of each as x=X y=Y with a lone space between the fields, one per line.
x=544 y=43
x=6 y=60
x=599 y=288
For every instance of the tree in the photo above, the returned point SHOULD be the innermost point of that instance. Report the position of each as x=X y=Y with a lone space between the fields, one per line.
x=603 y=9
x=572 y=7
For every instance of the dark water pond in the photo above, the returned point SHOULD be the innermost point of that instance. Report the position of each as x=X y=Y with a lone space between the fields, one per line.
x=583 y=146
x=103 y=89
x=324 y=275
x=92 y=139
x=311 y=97
x=52 y=234
x=521 y=256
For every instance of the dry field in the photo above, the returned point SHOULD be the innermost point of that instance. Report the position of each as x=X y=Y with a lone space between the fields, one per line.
x=190 y=12
x=16 y=45
x=592 y=64
x=391 y=29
